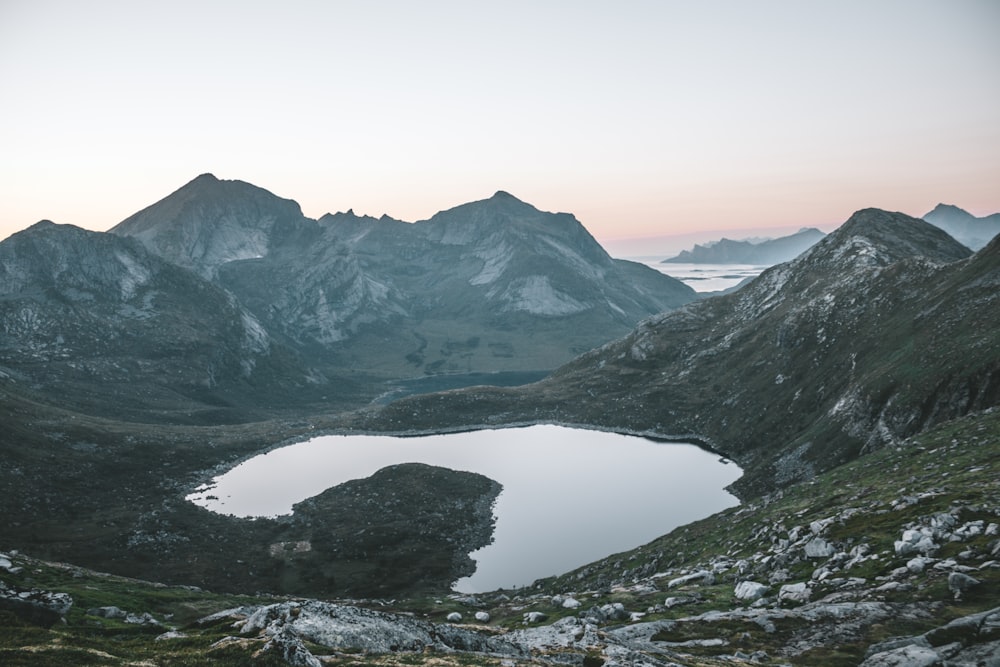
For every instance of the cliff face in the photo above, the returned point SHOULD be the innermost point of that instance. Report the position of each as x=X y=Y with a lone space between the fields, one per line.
x=881 y=329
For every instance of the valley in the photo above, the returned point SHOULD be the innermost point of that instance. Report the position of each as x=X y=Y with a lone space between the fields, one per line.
x=856 y=386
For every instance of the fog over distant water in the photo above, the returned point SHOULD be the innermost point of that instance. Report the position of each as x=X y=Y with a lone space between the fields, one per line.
x=569 y=497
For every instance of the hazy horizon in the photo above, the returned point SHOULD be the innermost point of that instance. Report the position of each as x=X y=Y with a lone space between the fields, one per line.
x=643 y=119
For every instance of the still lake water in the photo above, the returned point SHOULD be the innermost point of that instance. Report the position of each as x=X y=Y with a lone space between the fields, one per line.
x=570 y=496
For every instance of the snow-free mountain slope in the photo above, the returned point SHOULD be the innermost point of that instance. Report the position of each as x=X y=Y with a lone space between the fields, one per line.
x=487 y=286
x=881 y=329
x=209 y=222
x=96 y=321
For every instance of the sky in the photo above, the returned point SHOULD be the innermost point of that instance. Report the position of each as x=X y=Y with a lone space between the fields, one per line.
x=643 y=119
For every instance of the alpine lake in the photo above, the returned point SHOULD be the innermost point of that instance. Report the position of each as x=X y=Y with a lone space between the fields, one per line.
x=570 y=496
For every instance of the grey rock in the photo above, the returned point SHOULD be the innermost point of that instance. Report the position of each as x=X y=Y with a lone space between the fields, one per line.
x=535 y=617
x=291 y=649
x=906 y=656
x=107 y=612
x=818 y=548
x=794 y=593
x=959 y=583
x=145 y=618
x=482 y=617
x=700 y=577
x=36 y=606
x=750 y=590
x=454 y=617
x=345 y=627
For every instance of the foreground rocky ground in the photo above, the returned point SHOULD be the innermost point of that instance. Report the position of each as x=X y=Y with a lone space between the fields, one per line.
x=893 y=559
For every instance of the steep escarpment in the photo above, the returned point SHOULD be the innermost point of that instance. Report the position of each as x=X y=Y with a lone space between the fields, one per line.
x=880 y=330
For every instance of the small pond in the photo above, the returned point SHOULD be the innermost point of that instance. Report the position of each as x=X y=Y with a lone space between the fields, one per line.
x=570 y=496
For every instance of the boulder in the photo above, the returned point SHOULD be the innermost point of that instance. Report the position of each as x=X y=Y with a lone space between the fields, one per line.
x=819 y=548
x=615 y=611
x=794 y=593
x=454 y=617
x=750 y=590
x=107 y=612
x=700 y=577
x=571 y=603
x=482 y=617
x=535 y=617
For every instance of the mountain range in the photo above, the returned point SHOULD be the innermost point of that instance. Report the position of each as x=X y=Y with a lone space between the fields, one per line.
x=222 y=292
x=220 y=322
x=761 y=253
x=969 y=230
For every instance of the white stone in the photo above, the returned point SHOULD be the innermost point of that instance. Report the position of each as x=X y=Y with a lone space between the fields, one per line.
x=482 y=617
x=454 y=617
x=699 y=577
x=571 y=603
x=819 y=548
x=750 y=590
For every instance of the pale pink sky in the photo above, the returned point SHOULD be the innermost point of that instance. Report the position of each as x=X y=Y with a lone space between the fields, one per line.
x=642 y=118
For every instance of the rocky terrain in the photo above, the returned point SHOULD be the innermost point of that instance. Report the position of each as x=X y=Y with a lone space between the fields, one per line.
x=761 y=253
x=891 y=560
x=966 y=228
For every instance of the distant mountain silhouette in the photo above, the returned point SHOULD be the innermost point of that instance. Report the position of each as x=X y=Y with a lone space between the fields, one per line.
x=761 y=253
x=969 y=230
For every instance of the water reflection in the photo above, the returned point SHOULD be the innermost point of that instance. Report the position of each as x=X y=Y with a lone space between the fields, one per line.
x=570 y=496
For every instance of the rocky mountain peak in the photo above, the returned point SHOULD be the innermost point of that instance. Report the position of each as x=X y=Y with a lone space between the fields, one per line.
x=877 y=237
x=947 y=208
x=209 y=222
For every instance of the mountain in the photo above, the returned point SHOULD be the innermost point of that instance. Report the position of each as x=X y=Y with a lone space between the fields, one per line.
x=878 y=331
x=209 y=222
x=971 y=231
x=494 y=285
x=95 y=321
x=768 y=252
